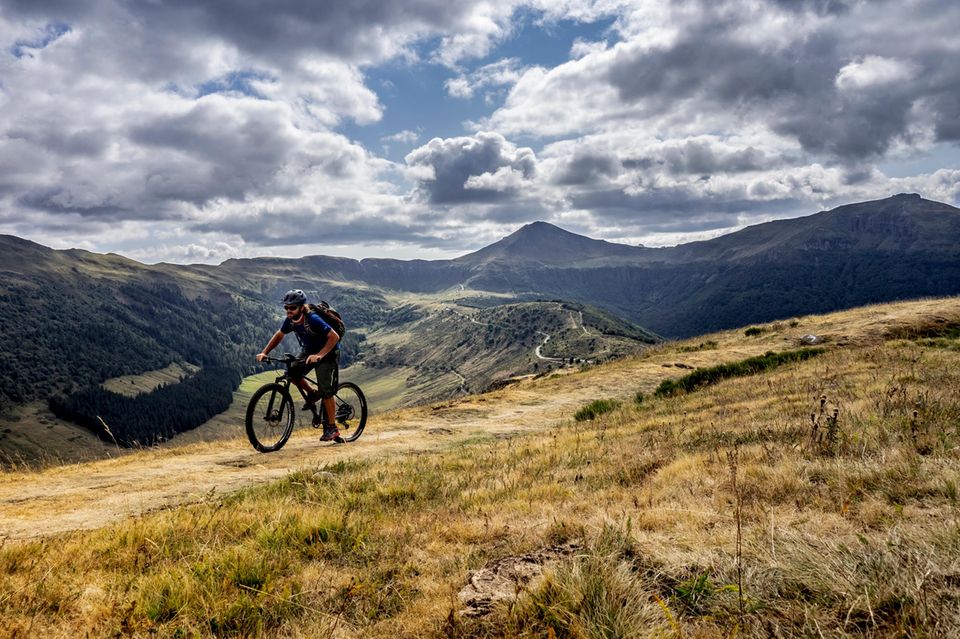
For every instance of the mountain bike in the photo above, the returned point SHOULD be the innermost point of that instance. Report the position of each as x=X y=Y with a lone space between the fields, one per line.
x=271 y=414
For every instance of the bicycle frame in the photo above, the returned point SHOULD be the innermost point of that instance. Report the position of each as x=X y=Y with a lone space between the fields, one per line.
x=287 y=381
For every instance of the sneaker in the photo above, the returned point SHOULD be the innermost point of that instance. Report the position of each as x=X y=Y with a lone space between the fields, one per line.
x=330 y=433
x=312 y=398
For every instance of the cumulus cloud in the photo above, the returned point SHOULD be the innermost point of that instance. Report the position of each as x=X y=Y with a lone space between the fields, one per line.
x=586 y=167
x=702 y=155
x=119 y=111
x=403 y=137
x=306 y=226
x=645 y=190
x=497 y=74
x=281 y=33
x=506 y=178
x=111 y=137
x=810 y=71
x=873 y=70
x=581 y=48
x=204 y=131
x=496 y=167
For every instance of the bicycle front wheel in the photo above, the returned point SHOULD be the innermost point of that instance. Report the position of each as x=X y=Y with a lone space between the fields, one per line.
x=270 y=418
x=351 y=411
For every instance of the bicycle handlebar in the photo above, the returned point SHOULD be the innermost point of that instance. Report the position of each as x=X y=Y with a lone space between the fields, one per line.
x=287 y=358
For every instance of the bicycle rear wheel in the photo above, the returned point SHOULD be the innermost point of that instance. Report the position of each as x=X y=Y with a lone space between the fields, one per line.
x=351 y=411
x=270 y=418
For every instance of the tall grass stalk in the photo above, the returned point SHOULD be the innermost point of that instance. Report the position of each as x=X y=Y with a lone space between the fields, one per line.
x=733 y=462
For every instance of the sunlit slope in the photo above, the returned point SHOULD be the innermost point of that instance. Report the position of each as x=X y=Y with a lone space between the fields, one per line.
x=450 y=349
x=851 y=534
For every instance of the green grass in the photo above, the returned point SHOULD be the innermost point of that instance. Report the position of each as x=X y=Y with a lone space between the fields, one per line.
x=595 y=408
x=750 y=366
x=702 y=346
x=133 y=385
x=949 y=343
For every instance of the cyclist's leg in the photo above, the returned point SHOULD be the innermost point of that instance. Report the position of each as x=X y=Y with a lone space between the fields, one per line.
x=328 y=376
x=329 y=410
x=304 y=386
x=298 y=373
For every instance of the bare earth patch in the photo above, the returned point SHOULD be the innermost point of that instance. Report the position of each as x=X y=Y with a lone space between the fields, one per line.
x=502 y=580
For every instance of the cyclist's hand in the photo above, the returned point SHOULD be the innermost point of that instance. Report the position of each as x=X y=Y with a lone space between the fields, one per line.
x=312 y=359
x=261 y=357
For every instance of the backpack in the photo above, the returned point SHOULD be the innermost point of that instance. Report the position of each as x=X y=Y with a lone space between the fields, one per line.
x=329 y=315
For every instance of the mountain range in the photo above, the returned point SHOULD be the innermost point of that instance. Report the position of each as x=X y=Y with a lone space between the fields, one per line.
x=71 y=320
x=897 y=248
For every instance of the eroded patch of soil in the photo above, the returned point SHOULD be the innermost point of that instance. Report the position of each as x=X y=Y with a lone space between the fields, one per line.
x=502 y=580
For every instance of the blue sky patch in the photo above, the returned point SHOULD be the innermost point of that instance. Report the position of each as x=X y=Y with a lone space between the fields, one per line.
x=548 y=45
x=51 y=32
x=234 y=82
x=415 y=98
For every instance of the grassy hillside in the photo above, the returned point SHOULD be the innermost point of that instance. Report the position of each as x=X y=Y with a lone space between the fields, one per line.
x=818 y=497
x=133 y=385
x=442 y=349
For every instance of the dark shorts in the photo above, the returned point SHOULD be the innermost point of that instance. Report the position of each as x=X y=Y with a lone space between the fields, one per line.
x=328 y=373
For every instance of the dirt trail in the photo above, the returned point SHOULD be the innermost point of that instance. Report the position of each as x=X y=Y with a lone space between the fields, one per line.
x=94 y=494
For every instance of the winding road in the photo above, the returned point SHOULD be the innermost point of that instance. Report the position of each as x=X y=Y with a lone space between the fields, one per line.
x=536 y=351
x=542 y=344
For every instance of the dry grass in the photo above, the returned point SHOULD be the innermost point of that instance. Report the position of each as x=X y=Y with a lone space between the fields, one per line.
x=858 y=535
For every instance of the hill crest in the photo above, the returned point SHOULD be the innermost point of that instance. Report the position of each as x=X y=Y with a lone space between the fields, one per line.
x=544 y=243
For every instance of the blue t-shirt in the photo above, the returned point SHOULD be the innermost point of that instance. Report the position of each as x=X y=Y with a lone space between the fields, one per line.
x=311 y=340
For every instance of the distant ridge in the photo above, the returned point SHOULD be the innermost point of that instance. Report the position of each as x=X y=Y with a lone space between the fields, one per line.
x=899 y=247
x=903 y=222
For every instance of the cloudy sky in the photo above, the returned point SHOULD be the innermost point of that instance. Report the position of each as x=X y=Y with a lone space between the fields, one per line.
x=184 y=131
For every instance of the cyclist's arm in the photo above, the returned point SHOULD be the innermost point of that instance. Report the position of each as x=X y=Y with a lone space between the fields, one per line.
x=272 y=344
x=329 y=345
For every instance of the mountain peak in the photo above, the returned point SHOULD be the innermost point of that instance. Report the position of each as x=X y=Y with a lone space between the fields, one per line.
x=539 y=230
x=548 y=244
x=538 y=226
x=907 y=207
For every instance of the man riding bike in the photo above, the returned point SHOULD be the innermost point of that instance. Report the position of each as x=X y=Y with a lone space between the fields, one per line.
x=319 y=349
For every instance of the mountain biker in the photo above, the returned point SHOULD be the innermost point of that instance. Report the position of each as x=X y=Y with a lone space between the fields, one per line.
x=319 y=349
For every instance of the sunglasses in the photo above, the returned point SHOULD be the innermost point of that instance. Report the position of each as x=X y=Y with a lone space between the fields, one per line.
x=291 y=307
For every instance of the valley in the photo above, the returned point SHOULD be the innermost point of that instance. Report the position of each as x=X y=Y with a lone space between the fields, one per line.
x=428 y=348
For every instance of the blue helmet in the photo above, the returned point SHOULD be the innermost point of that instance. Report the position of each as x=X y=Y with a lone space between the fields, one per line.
x=295 y=296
